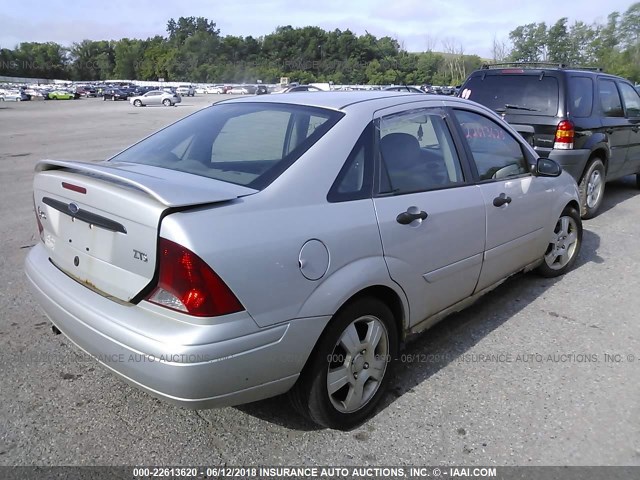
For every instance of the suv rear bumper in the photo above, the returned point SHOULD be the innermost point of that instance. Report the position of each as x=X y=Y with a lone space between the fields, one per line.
x=573 y=161
x=229 y=362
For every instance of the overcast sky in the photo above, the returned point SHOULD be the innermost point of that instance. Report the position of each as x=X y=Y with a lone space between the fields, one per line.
x=417 y=24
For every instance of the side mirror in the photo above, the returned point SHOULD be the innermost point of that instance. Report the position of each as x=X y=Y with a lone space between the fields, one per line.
x=545 y=167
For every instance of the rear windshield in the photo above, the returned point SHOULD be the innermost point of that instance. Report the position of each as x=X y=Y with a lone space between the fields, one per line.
x=248 y=144
x=515 y=94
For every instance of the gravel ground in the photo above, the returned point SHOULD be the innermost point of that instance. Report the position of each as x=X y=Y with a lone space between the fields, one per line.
x=548 y=396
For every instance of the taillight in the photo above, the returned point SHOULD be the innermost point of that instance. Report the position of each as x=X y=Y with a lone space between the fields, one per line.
x=564 y=136
x=187 y=284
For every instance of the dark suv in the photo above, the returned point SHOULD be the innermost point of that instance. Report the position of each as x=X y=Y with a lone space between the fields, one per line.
x=586 y=120
x=115 y=94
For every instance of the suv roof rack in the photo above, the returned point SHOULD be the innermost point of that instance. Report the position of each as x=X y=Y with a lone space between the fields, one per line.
x=488 y=66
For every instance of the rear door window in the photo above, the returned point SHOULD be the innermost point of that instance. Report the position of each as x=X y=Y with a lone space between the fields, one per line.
x=581 y=91
x=515 y=94
x=610 y=98
x=417 y=153
x=631 y=100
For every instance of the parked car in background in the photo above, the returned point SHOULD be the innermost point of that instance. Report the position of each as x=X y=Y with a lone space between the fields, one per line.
x=139 y=90
x=115 y=94
x=299 y=88
x=242 y=90
x=186 y=90
x=361 y=217
x=201 y=90
x=156 y=97
x=87 y=91
x=130 y=91
x=44 y=93
x=14 y=96
x=586 y=120
x=262 y=90
x=101 y=88
x=403 y=88
x=217 y=89
x=61 y=95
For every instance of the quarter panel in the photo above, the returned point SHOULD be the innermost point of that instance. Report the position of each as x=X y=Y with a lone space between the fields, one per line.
x=347 y=281
x=254 y=246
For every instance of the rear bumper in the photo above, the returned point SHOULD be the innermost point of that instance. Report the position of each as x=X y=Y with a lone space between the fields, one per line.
x=573 y=161
x=195 y=365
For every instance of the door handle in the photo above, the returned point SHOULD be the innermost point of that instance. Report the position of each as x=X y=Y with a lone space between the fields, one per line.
x=635 y=129
x=405 y=218
x=609 y=131
x=500 y=200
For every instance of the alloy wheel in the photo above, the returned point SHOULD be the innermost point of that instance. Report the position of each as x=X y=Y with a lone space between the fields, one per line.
x=563 y=244
x=358 y=364
x=595 y=186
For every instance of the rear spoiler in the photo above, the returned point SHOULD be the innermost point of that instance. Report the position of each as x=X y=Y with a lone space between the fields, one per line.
x=169 y=187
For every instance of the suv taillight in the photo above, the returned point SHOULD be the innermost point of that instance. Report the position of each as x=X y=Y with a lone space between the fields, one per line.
x=564 y=136
x=187 y=284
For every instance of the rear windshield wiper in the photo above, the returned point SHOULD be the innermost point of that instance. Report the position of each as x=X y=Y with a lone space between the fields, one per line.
x=515 y=107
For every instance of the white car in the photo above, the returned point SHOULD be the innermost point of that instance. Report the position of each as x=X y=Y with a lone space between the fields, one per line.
x=242 y=90
x=217 y=89
x=156 y=97
x=186 y=90
x=12 y=96
x=201 y=90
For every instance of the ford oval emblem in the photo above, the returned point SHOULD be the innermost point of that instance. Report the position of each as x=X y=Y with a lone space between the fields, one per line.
x=73 y=208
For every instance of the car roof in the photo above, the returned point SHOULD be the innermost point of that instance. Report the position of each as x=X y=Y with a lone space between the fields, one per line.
x=342 y=100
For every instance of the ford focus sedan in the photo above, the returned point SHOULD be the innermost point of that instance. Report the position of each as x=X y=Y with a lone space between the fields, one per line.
x=263 y=246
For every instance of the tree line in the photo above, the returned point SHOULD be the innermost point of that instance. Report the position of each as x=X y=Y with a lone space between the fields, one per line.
x=613 y=45
x=193 y=50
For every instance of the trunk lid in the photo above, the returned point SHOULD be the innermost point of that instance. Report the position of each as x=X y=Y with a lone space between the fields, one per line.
x=101 y=220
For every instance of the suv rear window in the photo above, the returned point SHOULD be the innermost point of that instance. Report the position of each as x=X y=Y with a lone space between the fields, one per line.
x=517 y=94
x=248 y=144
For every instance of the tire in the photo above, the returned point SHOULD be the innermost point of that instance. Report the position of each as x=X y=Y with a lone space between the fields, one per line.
x=351 y=363
x=564 y=245
x=137 y=103
x=592 y=188
x=638 y=180
x=166 y=102
x=113 y=98
x=104 y=99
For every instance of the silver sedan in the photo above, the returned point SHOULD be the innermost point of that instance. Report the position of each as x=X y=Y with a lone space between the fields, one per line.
x=259 y=247
x=156 y=97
